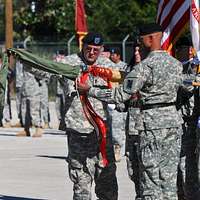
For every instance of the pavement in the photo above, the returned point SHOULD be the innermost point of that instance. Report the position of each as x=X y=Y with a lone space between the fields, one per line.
x=36 y=169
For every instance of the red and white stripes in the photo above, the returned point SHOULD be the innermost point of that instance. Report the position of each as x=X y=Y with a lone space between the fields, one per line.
x=172 y=15
x=194 y=24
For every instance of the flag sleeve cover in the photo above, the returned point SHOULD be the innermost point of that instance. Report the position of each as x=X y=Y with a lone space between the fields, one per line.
x=70 y=72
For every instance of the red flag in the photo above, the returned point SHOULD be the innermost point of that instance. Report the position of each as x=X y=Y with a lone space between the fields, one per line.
x=173 y=16
x=80 y=21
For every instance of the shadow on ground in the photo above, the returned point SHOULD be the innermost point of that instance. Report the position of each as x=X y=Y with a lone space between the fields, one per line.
x=5 y=134
x=53 y=157
x=54 y=132
x=5 y=197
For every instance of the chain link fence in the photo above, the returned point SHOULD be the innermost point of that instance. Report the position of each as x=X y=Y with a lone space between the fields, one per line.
x=49 y=49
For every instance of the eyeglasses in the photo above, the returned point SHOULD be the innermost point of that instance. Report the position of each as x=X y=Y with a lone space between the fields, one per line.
x=95 y=50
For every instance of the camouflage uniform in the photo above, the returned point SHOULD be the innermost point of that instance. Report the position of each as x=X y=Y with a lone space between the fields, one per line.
x=62 y=96
x=83 y=144
x=157 y=78
x=7 y=116
x=84 y=158
x=19 y=84
x=188 y=171
x=30 y=100
x=44 y=101
x=117 y=119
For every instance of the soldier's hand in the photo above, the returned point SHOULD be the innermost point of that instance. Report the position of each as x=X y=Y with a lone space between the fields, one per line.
x=82 y=88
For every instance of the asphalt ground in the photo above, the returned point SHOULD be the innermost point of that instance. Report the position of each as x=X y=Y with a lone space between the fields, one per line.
x=36 y=168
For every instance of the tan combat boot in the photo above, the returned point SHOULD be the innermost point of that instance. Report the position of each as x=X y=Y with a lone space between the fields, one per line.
x=23 y=133
x=38 y=132
x=17 y=125
x=117 y=153
x=46 y=126
x=7 y=125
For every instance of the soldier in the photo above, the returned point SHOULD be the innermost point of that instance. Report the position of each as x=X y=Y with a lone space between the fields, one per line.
x=132 y=150
x=115 y=56
x=85 y=164
x=61 y=94
x=86 y=161
x=7 y=114
x=154 y=83
x=30 y=107
x=44 y=102
x=1 y=92
x=19 y=85
x=117 y=119
x=188 y=105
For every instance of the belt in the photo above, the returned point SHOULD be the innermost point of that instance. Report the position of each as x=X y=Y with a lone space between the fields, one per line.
x=156 y=105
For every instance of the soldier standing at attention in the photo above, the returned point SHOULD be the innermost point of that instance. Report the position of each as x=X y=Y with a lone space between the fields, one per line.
x=30 y=107
x=188 y=104
x=61 y=94
x=117 y=119
x=1 y=93
x=154 y=83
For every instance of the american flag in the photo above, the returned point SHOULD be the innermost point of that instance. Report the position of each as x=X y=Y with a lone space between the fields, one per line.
x=173 y=16
x=194 y=24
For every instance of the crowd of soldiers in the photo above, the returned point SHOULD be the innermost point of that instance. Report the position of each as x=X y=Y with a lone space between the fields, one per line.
x=150 y=116
x=31 y=101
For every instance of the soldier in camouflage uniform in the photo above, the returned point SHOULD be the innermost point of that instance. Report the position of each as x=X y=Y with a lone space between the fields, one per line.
x=188 y=175
x=117 y=119
x=83 y=143
x=19 y=85
x=154 y=82
x=84 y=160
x=30 y=107
x=61 y=94
x=44 y=102
x=132 y=150
x=1 y=92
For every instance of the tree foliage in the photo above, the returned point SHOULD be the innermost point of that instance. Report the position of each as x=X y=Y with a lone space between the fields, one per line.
x=117 y=18
x=54 y=19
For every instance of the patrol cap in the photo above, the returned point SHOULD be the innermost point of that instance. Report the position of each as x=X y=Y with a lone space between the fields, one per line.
x=106 y=49
x=184 y=41
x=93 y=38
x=150 y=28
x=115 y=50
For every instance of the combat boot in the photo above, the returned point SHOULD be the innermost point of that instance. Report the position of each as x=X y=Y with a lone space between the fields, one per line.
x=38 y=132
x=23 y=133
x=117 y=153
x=7 y=125
x=17 y=125
x=46 y=125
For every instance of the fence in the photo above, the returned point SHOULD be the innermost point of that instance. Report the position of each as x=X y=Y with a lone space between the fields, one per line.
x=49 y=49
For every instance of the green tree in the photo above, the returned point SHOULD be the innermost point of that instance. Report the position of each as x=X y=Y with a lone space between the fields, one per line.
x=54 y=19
x=45 y=19
x=119 y=18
